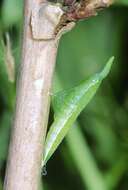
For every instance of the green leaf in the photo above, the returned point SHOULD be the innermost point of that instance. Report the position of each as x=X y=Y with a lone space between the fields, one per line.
x=11 y=12
x=68 y=105
x=122 y=2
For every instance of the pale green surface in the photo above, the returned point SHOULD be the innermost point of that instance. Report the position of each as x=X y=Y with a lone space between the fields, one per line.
x=12 y=12
x=68 y=105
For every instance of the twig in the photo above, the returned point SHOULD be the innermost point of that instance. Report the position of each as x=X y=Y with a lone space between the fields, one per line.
x=32 y=104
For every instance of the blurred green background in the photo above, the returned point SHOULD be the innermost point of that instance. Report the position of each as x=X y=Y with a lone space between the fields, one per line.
x=94 y=154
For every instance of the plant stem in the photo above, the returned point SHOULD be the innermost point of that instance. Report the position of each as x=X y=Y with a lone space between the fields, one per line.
x=84 y=160
x=32 y=108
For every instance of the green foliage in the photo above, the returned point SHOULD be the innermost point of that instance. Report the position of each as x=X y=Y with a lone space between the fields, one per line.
x=84 y=160
x=11 y=12
x=122 y=2
x=0 y=185
x=4 y=135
